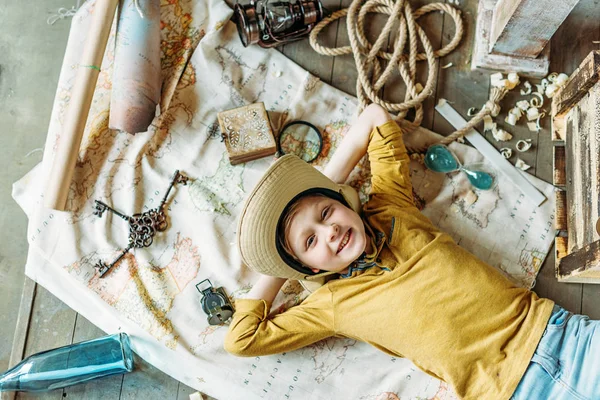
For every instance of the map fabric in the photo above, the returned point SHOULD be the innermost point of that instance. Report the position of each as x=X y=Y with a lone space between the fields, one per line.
x=151 y=294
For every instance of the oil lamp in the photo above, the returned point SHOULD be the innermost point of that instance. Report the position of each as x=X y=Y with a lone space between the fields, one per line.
x=274 y=22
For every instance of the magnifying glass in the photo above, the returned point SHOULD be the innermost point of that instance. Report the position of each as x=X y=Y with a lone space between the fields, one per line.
x=302 y=139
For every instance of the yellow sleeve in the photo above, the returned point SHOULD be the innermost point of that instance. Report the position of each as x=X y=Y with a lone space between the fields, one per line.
x=390 y=165
x=253 y=333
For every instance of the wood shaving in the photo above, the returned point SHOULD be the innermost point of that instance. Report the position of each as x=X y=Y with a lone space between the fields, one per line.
x=521 y=165
x=497 y=80
x=501 y=135
x=527 y=89
x=516 y=111
x=539 y=89
x=537 y=123
x=472 y=111
x=551 y=90
x=506 y=152
x=532 y=113
x=537 y=101
x=511 y=118
x=523 y=105
x=513 y=80
x=561 y=79
x=523 y=145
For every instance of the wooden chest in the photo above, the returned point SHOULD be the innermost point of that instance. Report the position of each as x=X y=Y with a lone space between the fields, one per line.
x=247 y=133
x=576 y=139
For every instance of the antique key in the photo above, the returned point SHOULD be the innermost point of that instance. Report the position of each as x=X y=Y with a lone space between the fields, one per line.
x=142 y=226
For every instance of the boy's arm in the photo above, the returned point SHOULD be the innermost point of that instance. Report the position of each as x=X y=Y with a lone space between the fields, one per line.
x=266 y=288
x=253 y=333
x=375 y=133
x=355 y=143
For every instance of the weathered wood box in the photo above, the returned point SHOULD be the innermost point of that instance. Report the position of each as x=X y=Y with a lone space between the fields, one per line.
x=576 y=139
x=247 y=133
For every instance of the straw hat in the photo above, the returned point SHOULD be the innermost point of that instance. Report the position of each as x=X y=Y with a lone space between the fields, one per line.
x=287 y=179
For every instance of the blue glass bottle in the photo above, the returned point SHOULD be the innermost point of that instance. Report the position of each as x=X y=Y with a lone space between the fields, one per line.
x=70 y=365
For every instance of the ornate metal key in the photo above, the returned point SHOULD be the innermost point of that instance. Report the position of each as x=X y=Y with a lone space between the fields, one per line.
x=142 y=226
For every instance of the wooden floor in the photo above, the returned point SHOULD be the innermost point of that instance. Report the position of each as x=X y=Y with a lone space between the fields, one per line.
x=52 y=324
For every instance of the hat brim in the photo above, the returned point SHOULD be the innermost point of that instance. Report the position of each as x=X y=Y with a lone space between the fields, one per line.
x=257 y=228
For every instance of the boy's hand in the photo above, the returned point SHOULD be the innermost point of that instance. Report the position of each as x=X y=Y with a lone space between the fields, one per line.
x=266 y=288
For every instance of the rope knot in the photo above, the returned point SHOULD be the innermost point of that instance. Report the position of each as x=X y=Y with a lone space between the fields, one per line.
x=493 y=107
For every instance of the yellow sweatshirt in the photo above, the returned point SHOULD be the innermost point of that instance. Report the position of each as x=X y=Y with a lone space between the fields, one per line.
x=425 y=298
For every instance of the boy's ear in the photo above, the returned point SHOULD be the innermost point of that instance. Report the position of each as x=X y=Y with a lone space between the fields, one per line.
x=315 y=270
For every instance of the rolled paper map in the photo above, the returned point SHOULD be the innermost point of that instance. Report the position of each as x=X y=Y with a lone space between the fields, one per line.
x=137 y=79
x=63 y=165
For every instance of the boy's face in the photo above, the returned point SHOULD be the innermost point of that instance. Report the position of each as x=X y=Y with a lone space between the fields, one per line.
x=326 y=235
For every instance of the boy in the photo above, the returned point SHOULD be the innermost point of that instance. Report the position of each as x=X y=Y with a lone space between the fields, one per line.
x=404 y=286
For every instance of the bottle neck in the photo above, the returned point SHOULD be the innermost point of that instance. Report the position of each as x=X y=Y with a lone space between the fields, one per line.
x=9 y=380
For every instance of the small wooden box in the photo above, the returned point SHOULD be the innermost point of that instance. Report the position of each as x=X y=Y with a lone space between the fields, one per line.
x=247 y=133
x=576 y=139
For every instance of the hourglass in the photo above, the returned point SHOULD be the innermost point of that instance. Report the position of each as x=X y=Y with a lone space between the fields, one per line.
x=439 y=158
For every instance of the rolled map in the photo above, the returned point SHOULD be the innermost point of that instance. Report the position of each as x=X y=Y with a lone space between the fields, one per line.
x=137 y=79
x=65 y=157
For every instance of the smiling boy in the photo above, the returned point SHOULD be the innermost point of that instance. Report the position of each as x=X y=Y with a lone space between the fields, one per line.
x=402 y=285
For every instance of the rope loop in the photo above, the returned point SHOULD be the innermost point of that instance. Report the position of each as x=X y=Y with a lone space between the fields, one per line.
x=404 y=56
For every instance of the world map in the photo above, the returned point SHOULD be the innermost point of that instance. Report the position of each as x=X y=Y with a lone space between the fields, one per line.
x=151 y=292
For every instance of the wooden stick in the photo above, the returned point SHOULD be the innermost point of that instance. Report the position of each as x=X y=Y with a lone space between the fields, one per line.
x=59 y=181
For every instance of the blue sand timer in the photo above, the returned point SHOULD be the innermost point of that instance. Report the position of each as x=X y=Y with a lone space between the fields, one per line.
x=439 y=158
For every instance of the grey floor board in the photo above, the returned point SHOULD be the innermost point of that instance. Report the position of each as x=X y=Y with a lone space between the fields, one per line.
x=184 y=391
x=30 y=61
x=51 y=326
x=147 y=382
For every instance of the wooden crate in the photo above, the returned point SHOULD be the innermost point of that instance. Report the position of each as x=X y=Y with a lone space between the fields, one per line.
x=576 y=139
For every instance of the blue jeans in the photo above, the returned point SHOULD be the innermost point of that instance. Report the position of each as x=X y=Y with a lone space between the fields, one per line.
x=566 y=363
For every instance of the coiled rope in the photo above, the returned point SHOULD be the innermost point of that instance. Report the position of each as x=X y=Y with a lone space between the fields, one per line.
x=368 y=57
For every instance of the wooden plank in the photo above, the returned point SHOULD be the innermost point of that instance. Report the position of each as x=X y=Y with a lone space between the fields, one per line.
x=462 y=87
x=51 y=326
x=482 y=58
x=577 y=34
x=560 y=243
x=147 y=382
x=581 y=80
x=580 y=28
x=20 y=336
x=590 y=301
x=302 y=53
x=560 y=213
x=518 y=30
x=559 y=177
x=104 y=388
x=582 y=265
x=582 y=169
